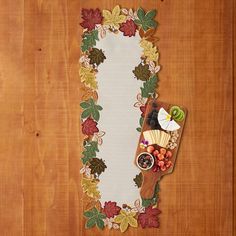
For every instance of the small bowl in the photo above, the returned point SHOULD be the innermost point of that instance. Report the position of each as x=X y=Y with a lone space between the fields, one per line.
x=152 y=160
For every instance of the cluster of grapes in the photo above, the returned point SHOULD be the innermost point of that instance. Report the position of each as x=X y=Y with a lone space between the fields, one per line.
x=152 y=120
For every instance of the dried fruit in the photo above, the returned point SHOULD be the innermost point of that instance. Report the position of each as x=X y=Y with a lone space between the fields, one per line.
x=145 y=161
x=173 y=139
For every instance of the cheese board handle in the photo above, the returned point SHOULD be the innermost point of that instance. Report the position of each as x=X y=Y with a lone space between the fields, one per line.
x=150 y=180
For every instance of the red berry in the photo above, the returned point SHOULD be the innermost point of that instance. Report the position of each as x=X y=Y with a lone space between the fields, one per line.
x=163 y=168
x=163 y=151
x=155 y=153
x=168 y=164
x=150 y=149
x=160 y=157
x=169 y=154
x=161 y=163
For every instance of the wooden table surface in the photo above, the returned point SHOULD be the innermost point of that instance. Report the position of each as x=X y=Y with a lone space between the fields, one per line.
x=40 y=145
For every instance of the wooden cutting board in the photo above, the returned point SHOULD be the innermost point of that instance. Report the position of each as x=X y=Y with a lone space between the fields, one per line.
x=150 y=177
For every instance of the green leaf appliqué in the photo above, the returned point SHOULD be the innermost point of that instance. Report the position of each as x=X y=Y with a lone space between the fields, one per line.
x=146 y=20
x=90 y=149
x=149 y=87
x=141 y=119
x=94 y=217
x=138 y=180
x=90 y=109
x=89 y=40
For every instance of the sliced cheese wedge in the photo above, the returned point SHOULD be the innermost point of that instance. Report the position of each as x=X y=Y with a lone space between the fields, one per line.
x=158 y=137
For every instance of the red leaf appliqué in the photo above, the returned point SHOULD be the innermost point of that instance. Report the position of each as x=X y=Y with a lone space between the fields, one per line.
x=91 y=17
x=143 y=110
x=149 y=219
x=128 y=28
x=111 y=209
x=89 y=126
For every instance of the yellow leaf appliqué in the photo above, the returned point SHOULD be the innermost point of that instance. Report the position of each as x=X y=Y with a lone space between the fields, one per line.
x=125 y=219
x=113 y=19
x=88 y=77
x=149 y=50
x=90 y=188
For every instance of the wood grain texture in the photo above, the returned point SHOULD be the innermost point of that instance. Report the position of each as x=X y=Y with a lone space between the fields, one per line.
x=40 y=91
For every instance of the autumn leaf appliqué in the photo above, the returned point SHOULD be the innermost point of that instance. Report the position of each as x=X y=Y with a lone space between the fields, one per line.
x=146 y=20
x=94 y=217
x=113 y=19
x=126 y=219
x=149 y=219
x=149 y=50
x=89 y=126
x=111 y=209
x=89 y=40
x=96 y=56
x=87 y=76
x=90 y=108
x=90 y=151
x=90 y=18
x=128 y=28
x=142 y=72
x=90 y=188
x=97 y=166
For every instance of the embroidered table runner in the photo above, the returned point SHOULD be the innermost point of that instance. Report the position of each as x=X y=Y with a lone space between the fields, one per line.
x=119 y=71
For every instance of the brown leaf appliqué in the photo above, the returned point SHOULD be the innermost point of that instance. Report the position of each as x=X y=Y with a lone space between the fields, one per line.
x=142 y=72
x=97 y=166
x=96 y=56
